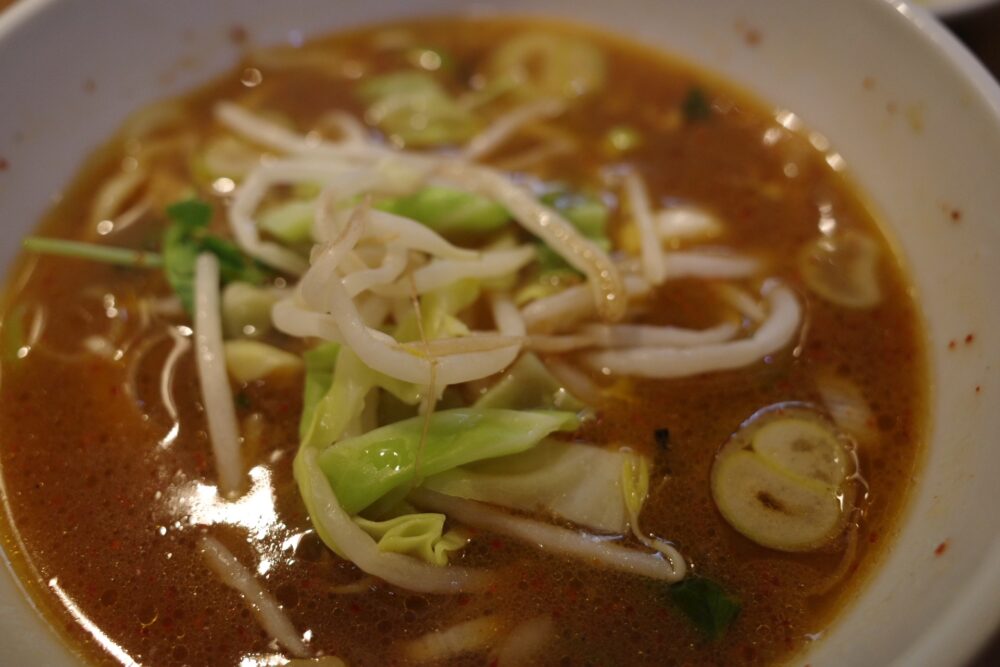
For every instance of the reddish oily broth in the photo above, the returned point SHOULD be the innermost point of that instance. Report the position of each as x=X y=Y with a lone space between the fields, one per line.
x=104 y=520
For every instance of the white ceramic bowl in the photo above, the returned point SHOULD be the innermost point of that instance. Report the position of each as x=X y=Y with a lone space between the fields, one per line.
x=917 y=120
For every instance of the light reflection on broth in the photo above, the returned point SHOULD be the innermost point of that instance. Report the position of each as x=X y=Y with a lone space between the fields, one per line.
x=711 y=363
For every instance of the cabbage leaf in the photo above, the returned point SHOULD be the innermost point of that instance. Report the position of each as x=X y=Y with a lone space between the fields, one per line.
x=578 y=482
x=438 y=310
x=420 y=535
x=449 y=211
x=529 y=385
x=336 y=385
x=415 y=108
x=367 y=467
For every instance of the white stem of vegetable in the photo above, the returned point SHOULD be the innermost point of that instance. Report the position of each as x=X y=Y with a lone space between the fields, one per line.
x=392 y=266
x=181 y=345
x=413 y=235
x=597 y=550
x=575 y=381
x=632 y=336
x=350 y=128
x=489 y=264
x=524 y=644
x=717 y=265
x=533 y=156
x=566 y=308
x=668 y=362
x=263 y=606
x=580 y=252
x=507 y=125
x=215 y=391
x=382 y=227
x=359 y=548
x=466 y=637
x=742 y=302
x=559 y=344
x=276 y=137
x=114 y=194
x=682 y=223
x=645 y=335
x=651 y=257
x=292 y=318
x=326 y=259
x=848 y=407
x=506 y=316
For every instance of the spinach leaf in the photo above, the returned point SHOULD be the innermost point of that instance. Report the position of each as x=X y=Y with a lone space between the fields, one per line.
x=706 y=604
x=186 y=237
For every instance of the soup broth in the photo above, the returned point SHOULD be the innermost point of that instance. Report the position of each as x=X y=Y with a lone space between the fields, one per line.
x=108 y=465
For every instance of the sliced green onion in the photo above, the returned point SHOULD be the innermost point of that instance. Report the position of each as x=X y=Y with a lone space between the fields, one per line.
x=93 y=251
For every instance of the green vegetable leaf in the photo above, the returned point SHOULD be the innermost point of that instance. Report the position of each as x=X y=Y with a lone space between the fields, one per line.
x=186 y=237
x=419 y=535
x=289 y=222
x=249 y=360
x=438 y=309
x=448 y=211
x=588 y=214
x=398 y=99
x=529 y=385
x=696 y=105
x=706 y=604
x=575 y=481
x=336 y=385
x=363 y=469
x=320 y=362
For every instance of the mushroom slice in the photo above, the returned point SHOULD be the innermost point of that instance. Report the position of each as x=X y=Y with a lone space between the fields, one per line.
x=782 y=480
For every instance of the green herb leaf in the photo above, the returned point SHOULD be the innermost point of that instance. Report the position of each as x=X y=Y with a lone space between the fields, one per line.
x=696 y=106
x=706 y=604
x=186 y=237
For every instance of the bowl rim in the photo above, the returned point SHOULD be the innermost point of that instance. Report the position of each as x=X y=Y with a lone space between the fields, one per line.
x=965 y=626
x=972 y=616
